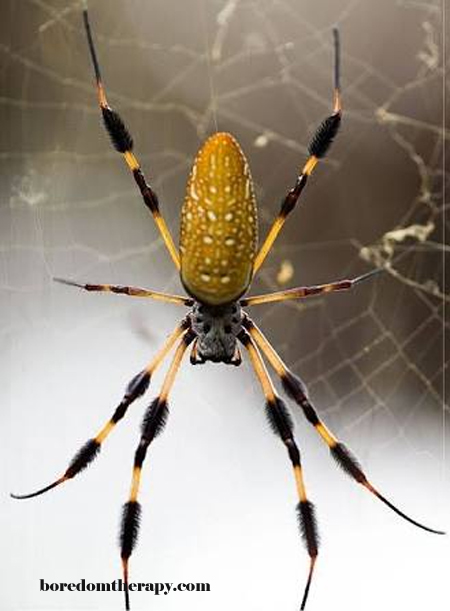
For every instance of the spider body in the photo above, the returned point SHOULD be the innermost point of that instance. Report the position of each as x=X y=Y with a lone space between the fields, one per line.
x=218 y=241
x=217 y=259
x=219 y=223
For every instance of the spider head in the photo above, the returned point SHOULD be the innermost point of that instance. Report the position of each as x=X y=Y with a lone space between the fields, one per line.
x=216 y=328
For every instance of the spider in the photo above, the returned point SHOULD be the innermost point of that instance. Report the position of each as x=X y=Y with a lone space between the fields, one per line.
x=217 y=260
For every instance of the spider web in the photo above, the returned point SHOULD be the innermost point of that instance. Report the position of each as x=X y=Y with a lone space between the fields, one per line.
x=374 y=360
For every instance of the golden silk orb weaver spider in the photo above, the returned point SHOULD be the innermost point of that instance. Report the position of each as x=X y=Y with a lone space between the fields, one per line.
x=217 y=259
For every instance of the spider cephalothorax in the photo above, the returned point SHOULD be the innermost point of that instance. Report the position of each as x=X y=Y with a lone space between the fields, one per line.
x=216 y=329
x=217 y=260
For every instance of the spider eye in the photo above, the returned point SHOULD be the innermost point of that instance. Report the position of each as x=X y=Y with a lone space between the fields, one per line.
x=227 y=328
x=206 y=327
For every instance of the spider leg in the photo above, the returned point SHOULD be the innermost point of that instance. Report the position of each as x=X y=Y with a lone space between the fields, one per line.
x=137 y=387
x=131 y=291
x=123 y=143
x=307 y=291
x=281 y=423
x=318 y=148
x=296 y=390
x=153 y=424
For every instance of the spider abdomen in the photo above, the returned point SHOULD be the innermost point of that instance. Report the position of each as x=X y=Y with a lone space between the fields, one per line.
x=219 y=225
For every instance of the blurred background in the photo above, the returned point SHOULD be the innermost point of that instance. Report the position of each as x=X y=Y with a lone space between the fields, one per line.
x=218 y=497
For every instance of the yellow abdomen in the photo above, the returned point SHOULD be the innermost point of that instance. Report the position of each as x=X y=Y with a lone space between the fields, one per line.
x=219 y=223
